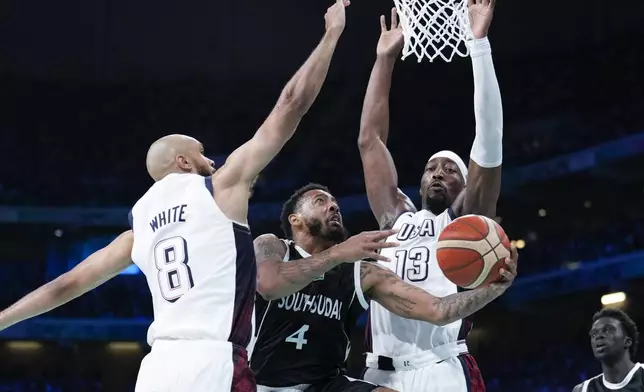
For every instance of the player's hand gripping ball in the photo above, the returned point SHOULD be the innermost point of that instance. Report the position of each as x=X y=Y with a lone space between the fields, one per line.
x=471 y=250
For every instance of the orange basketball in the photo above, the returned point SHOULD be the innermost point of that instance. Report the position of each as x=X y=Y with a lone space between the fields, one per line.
x=471 y=250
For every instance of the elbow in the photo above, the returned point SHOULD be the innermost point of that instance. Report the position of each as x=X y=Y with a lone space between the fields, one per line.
x=266 y=290
x=365 y=140
x=440 y=318
x=65 y=286
x=441 y=321
x=294 y=99
x=435 y=318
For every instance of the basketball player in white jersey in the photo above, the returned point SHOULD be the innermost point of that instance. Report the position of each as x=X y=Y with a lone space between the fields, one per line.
x=196 y=252
x=408 y=355
x=614 y=339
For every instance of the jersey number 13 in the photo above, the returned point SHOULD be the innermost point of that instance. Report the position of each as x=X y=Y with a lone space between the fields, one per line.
x=413 y=264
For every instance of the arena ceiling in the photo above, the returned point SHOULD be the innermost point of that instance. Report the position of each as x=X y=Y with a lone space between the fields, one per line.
x=108 y=39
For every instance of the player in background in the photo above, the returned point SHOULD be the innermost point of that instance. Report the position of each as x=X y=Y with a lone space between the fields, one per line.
x=313 y=288
x=196 y=252
x=409 y=355
x=614 y=338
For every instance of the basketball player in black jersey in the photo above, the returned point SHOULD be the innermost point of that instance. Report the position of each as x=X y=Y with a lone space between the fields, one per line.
x=312 y=288
x=614 y=338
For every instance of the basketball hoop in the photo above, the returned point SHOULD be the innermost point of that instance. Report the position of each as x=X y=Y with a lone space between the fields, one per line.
x=434 y=28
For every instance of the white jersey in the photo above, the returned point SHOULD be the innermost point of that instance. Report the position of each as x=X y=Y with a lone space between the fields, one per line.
x=415 y=262
x=200 y=266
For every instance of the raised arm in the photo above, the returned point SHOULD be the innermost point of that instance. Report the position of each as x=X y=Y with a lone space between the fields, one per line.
x=381 y=179
x=484 y=171
x=246 y=162
x=99 y=267
x=409 y=301
x=277 y=278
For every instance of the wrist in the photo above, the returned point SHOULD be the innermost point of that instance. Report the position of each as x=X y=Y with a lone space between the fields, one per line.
x=333 y=33
x=495 y=290
x=479 y=46
x=386 y=59
x=335 y=256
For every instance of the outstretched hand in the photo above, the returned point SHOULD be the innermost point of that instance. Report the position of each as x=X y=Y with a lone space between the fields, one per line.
x=391 y=39
x=335 y=16
x=480 y=14
x=364 y=245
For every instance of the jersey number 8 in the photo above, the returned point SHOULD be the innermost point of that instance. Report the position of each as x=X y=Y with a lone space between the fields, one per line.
x=174 y=275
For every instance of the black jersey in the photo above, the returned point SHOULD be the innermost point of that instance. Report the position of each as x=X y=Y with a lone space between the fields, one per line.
x=304 y=338
x=633 y=382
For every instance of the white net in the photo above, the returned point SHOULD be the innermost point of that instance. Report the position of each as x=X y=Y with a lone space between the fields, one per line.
x=434 y=28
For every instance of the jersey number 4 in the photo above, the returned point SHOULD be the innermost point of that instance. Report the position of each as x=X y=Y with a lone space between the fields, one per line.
x=413 y=264
x=174 y=275
x=298 y=338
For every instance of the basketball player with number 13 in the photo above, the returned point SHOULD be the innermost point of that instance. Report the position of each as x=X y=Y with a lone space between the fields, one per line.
x=409 y=355
x=191 y=240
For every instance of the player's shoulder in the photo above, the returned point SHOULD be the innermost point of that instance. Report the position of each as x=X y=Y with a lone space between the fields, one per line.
x=270 y=245
x=578 y=387
x=267 y=238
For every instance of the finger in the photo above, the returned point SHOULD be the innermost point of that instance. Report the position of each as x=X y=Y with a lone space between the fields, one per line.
x=383 y=24
x=381 y=245
x=492 y=3
x=514 y=253
x=381 y=235
x=347 y=3
x=485 y=2
x=394 y=18
x=512 y=266
x=470 y=2
x=507 y=276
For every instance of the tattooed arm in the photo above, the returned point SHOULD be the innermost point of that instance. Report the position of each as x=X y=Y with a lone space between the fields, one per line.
x=277 y=279
x=409 y=301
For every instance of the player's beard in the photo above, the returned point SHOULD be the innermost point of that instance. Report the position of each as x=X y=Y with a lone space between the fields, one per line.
x=205 y=171
x=328 y=233
x=436 y=204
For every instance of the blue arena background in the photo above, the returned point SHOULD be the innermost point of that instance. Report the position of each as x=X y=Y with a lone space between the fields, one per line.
x=87 y=86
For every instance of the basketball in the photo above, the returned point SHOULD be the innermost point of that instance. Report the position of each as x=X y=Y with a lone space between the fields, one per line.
x=471 y=250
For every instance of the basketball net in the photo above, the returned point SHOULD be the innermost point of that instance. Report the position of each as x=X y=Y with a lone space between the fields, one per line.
x=434 y=28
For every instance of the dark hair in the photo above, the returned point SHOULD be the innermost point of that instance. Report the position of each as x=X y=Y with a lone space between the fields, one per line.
x=293 y=203
x=627 y=323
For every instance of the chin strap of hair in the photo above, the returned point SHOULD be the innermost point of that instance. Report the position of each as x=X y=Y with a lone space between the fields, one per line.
x=487 y=149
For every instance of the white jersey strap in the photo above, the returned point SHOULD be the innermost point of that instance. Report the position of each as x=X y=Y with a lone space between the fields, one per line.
x=584 y=386
x=287 y=254
x=357 y=282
